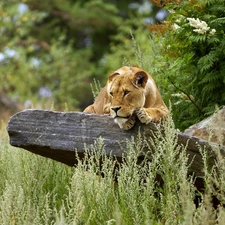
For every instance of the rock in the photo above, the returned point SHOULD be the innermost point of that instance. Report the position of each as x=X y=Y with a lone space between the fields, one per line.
x=58 y=136
x=211 y=129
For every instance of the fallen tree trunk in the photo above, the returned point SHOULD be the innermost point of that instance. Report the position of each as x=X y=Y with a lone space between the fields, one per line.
x=58 y=135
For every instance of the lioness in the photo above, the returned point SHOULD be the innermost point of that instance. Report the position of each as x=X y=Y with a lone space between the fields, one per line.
x=130 y=93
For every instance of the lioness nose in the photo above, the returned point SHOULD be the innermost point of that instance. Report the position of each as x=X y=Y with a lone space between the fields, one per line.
x=116 y=108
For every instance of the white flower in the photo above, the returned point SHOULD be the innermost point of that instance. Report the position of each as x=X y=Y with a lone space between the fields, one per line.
x=213 y=31
x=179 y=18
x=202 y=26
x=200 y=31
x=171 y=11
x=175 y=26
x=177 y=95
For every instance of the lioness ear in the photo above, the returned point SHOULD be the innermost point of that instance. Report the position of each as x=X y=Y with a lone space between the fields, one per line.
x=140 y=79
x=111 y=76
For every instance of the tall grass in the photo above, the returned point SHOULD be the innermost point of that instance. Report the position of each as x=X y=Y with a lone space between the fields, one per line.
x=36 y=190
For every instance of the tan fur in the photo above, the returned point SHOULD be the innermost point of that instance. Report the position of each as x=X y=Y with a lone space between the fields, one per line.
x=130 y=93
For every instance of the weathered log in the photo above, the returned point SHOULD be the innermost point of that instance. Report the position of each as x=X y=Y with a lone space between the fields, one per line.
x=58 y=135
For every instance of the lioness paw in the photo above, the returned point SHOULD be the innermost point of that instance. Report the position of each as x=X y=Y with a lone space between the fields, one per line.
x=143 y=115
x=128 y=124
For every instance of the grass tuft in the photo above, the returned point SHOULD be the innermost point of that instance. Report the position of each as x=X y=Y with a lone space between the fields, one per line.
x=36 y=190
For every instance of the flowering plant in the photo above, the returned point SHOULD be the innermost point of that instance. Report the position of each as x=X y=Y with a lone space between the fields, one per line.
x=202 y=26
x=194 y=49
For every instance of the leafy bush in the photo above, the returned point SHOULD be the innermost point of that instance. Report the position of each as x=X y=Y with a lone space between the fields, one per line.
x=193 y=47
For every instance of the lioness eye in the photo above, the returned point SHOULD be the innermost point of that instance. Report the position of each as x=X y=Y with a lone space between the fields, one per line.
x=126 y=92
x=111 y=93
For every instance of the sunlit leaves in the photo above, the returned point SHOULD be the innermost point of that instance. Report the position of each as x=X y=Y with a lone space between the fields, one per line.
x=200 y=33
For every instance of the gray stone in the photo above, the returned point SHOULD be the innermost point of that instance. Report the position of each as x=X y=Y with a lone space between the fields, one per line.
x=211 y=129
x=58 y=136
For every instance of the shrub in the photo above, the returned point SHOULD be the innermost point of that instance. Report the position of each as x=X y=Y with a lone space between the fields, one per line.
x=193 y=47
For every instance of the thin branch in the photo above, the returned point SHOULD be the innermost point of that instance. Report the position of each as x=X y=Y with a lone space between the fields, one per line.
x=188 y=96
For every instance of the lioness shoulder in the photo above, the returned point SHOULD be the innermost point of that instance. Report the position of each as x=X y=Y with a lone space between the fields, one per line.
x=130 y=93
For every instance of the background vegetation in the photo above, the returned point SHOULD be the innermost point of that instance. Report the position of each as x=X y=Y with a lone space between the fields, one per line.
x=49 y=54
x=192 y=46
x=52 y=51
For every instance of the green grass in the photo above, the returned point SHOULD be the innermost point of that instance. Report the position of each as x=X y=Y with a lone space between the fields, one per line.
x=36 y=190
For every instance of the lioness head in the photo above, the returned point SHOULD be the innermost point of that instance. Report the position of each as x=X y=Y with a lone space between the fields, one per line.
x=126 y=90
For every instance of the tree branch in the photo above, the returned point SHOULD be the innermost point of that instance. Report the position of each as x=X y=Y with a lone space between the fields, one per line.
x=188 y=96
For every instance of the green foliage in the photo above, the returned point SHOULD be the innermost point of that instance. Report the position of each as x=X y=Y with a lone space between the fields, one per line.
x=194 y=50
x=48 y=192
x=52 y=51
x=96 y=88
x=31 y=188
